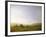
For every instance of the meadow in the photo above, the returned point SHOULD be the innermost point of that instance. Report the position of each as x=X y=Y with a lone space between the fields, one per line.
x=21 y=27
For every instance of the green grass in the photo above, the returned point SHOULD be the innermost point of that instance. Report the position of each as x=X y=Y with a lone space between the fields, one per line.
x=21 y=27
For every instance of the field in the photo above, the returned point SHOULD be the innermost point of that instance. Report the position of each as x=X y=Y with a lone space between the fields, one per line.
x=21 y=27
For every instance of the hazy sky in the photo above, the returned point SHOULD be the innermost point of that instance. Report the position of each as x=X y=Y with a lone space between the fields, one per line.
x=26 y=14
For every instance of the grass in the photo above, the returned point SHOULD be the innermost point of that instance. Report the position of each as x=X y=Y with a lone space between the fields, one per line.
x=21 y=27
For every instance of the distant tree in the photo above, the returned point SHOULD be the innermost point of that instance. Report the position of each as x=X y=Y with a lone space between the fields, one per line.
x=21 y=25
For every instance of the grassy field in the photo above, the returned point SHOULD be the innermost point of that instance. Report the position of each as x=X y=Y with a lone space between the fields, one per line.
x=21 y=27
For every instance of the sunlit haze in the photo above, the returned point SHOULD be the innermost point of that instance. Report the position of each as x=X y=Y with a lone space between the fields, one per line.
x=23 y=14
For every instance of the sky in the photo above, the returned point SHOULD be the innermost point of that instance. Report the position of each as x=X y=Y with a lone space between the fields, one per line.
x=24 y=14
